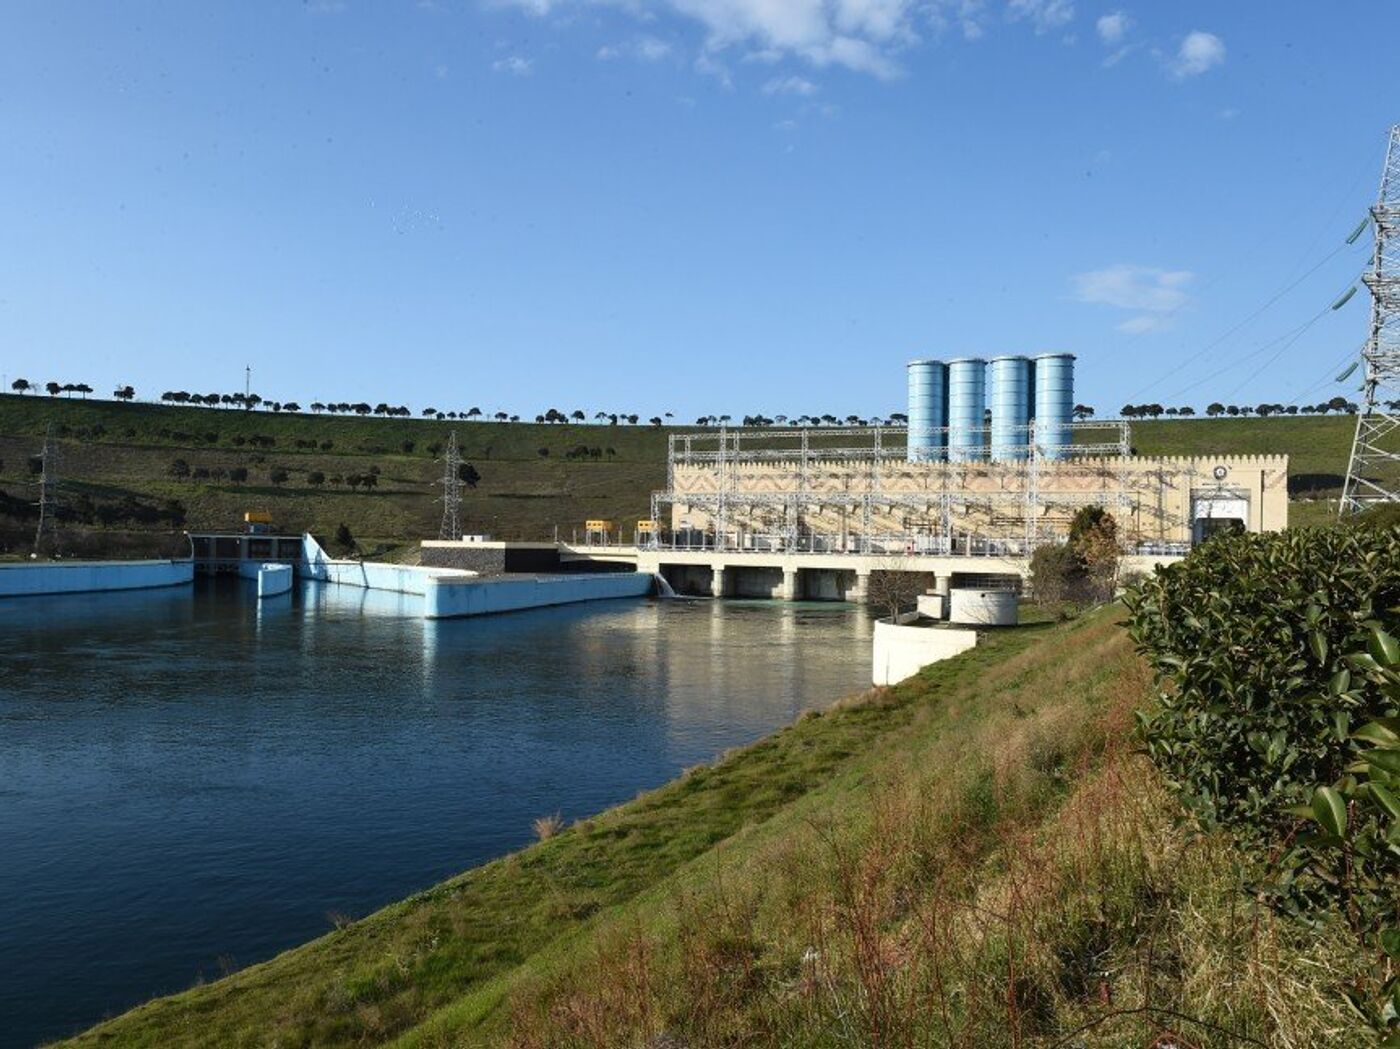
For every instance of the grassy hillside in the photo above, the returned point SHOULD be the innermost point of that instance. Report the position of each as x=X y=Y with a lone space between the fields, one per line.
x=975 y=857
x=115 y=456
x=116 y=464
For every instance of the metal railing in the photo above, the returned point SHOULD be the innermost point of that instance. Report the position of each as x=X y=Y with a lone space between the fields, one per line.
x=893 y=546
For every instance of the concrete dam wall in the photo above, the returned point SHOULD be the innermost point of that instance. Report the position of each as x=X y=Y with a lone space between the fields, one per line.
x=448 y=597
x=81 y=577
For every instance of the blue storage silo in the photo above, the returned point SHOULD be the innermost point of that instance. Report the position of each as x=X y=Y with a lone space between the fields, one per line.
x=1012 y=391
x=967 y=404
x=1054 y=403
x=928 y=410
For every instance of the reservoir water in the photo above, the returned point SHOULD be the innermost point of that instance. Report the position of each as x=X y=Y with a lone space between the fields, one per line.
x=191 y=783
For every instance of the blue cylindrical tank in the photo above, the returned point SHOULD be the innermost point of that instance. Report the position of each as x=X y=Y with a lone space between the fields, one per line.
x=1012 y=391
x=1054 y=403
x=928 y=410
x=967 y=403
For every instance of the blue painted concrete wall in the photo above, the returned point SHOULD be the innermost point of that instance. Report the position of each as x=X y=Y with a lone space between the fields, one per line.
x=372 y=575
x=447 y=597
x=79 y=577
x=273 y=580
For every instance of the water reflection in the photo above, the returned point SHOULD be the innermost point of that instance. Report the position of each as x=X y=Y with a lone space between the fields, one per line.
x=187 y=775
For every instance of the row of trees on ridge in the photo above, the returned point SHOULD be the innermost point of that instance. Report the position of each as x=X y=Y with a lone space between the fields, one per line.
x=252 y=401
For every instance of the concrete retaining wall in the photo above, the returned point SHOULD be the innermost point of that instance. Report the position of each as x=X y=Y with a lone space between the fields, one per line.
x=274 y=580
x=449 y=596
x=901 y=651
x=371 y=575
x=79 y=577
x=934 y=606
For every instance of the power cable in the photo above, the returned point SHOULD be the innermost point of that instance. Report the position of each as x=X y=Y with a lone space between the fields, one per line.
x=1237 y=327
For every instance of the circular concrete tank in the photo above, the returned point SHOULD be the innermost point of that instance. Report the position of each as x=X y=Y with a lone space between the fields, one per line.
x=983 y=607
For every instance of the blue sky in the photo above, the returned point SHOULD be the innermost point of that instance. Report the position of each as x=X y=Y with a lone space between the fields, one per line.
x=697 y=206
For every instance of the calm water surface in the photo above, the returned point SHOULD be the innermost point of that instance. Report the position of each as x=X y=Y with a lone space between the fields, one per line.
x=190 y=781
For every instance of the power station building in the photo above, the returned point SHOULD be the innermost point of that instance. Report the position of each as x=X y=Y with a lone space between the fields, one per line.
x=990 y=463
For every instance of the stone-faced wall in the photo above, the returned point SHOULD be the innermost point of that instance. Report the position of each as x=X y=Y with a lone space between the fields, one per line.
x=488 y=560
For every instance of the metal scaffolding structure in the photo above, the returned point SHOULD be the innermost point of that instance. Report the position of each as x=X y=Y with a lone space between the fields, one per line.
x=451 y=527
x=48 y=493
x=933 y=520
x=1373 y=474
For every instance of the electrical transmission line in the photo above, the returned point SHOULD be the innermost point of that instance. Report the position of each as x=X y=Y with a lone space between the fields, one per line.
x=451 y=491
x=1375 y=450
x=48 y=490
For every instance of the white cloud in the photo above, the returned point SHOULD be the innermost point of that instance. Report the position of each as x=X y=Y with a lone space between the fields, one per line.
x=864 y=36
x=1112 y=28
x=1152 y=294
x=644 y=49
x=1199 y=52
x=857 y=34
x=1229 y=113
x=651 y=49
x=1045 y=15
x=514 y=65
x=789 y=85
x=768 y=56
x=534 y=7
x=710 y=66
x=861 y=35
x=1144 y=323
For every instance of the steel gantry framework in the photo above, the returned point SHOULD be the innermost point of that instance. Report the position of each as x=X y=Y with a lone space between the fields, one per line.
x=451 y=527
x=934 y=517
x=1373 y=475
x=48 y=494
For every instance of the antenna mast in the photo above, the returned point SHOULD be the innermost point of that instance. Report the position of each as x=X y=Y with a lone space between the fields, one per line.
x=48 y=485
x=1372 y=475
x=451 y=491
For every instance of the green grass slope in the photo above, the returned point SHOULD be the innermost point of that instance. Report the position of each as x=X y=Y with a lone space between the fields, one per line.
x=975 y=857
x=113 y=456
x=116 y=462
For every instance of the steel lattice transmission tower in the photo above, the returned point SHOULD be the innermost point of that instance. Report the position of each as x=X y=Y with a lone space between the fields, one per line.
x=451 y=491
x=1373 y=475
x=48 y=491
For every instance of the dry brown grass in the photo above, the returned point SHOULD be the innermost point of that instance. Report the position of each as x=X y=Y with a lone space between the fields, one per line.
x=548 y=826
x=1025 y=881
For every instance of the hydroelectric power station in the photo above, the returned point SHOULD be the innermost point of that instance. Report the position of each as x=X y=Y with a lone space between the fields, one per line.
x=991 y=464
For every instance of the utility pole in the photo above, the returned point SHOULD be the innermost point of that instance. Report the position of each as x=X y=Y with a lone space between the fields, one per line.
x=48 y=486
x=247 y=381
x=1373 y=475
x=451 y=491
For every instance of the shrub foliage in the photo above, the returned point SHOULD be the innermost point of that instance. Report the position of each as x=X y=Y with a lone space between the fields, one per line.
x=1085 y=569
x=1249 y=636
x=1278 y=717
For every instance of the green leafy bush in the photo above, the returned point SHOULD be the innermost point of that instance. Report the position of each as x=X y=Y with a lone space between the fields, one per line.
x=1353 y=850
x=1082 y=570
x=1249 y=636
x=1278 y=717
